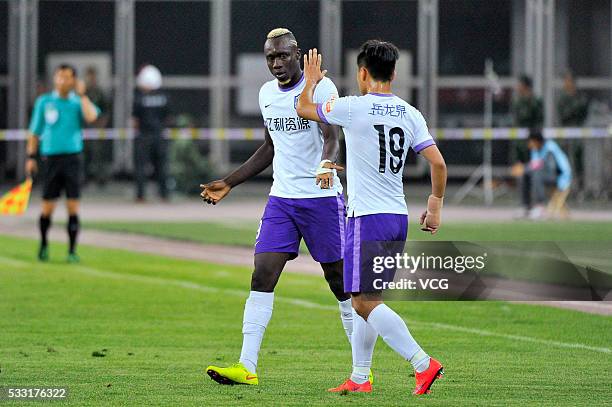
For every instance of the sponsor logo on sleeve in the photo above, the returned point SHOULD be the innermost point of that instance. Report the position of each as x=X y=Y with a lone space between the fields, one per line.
x=329 y=105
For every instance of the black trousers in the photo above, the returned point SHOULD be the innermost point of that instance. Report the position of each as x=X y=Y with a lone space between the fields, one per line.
x=151 y=149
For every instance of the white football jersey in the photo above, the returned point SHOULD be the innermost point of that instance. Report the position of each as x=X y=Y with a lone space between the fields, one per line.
x=378 y=130
x=298 y=143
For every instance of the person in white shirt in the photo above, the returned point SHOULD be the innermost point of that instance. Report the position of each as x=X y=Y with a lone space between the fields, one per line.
x=305 y=201
x=379 y=128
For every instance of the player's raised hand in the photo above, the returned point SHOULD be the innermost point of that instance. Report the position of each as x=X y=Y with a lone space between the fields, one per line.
x=325 y=174
x=431 y=218
x=79 y=87
x=312 y=66
x=214 y=191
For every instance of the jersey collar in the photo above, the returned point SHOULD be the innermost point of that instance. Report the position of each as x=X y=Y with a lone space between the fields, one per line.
x=385 y=95
x=294 y=86
x=56 y=95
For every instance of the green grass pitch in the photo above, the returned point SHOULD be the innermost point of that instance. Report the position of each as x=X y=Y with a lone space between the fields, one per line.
x=162 y=321
x=244 y=234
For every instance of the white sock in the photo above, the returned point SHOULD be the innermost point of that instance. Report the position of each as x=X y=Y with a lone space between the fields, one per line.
x=420 y=361
x=363 y=341
x=257 y=314
x=346 y=315
x=395 y=333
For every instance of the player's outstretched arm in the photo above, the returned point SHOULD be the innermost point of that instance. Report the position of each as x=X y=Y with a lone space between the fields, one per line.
x=306 y=107
x=215 y=191
x=431 y=218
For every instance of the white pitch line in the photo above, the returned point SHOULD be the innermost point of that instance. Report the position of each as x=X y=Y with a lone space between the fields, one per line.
x=13 y=262
x=314 y=305
x=305 y=304
x=516 y=337
x=591 y=304
x=193 y=286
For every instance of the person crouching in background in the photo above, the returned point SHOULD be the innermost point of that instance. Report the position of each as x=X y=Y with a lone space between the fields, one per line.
x=548 y=166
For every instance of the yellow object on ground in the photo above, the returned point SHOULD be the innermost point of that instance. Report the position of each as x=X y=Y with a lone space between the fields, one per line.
x=15 y=202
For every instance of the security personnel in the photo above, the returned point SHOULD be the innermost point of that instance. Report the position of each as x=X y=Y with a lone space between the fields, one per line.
x=527 y=109
x=573 y=106
x=98 y=153
x=528 y=112
x=149 y=114
x=56 y=132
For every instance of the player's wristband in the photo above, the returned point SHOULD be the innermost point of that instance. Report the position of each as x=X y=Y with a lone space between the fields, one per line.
x=321 y=169
x=32 y=156
x=434 y=204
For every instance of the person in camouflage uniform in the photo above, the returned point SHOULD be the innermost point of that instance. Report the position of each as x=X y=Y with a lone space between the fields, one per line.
x=573 y=109
x=527 y=111
x=98 y=153
x=572 y=106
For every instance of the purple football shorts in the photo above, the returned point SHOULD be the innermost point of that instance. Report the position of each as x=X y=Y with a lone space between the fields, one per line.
x=369 y=236
x=320 y=221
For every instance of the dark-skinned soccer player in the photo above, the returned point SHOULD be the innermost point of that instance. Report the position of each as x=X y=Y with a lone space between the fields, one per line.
x=305 y=200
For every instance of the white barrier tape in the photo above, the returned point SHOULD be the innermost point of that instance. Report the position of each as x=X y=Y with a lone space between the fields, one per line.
x=258 y=133
x=519 y=133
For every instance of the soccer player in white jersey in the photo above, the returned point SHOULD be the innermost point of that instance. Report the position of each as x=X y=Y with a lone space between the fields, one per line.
x=379 y=128
x=305 y=201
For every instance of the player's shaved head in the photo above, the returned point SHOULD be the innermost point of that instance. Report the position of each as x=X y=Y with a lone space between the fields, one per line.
x=282 y=33
x=379 y=58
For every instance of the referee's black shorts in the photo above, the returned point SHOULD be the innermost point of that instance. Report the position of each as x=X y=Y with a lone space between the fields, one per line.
x=61 y=172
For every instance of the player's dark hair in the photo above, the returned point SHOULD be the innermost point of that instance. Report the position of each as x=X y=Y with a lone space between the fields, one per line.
x=526 y=80
x=536 y=135
x=62 y=67
x=379 y=58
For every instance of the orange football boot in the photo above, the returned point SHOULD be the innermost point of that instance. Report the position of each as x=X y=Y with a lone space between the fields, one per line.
x=425 y=379
x=351 y=386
